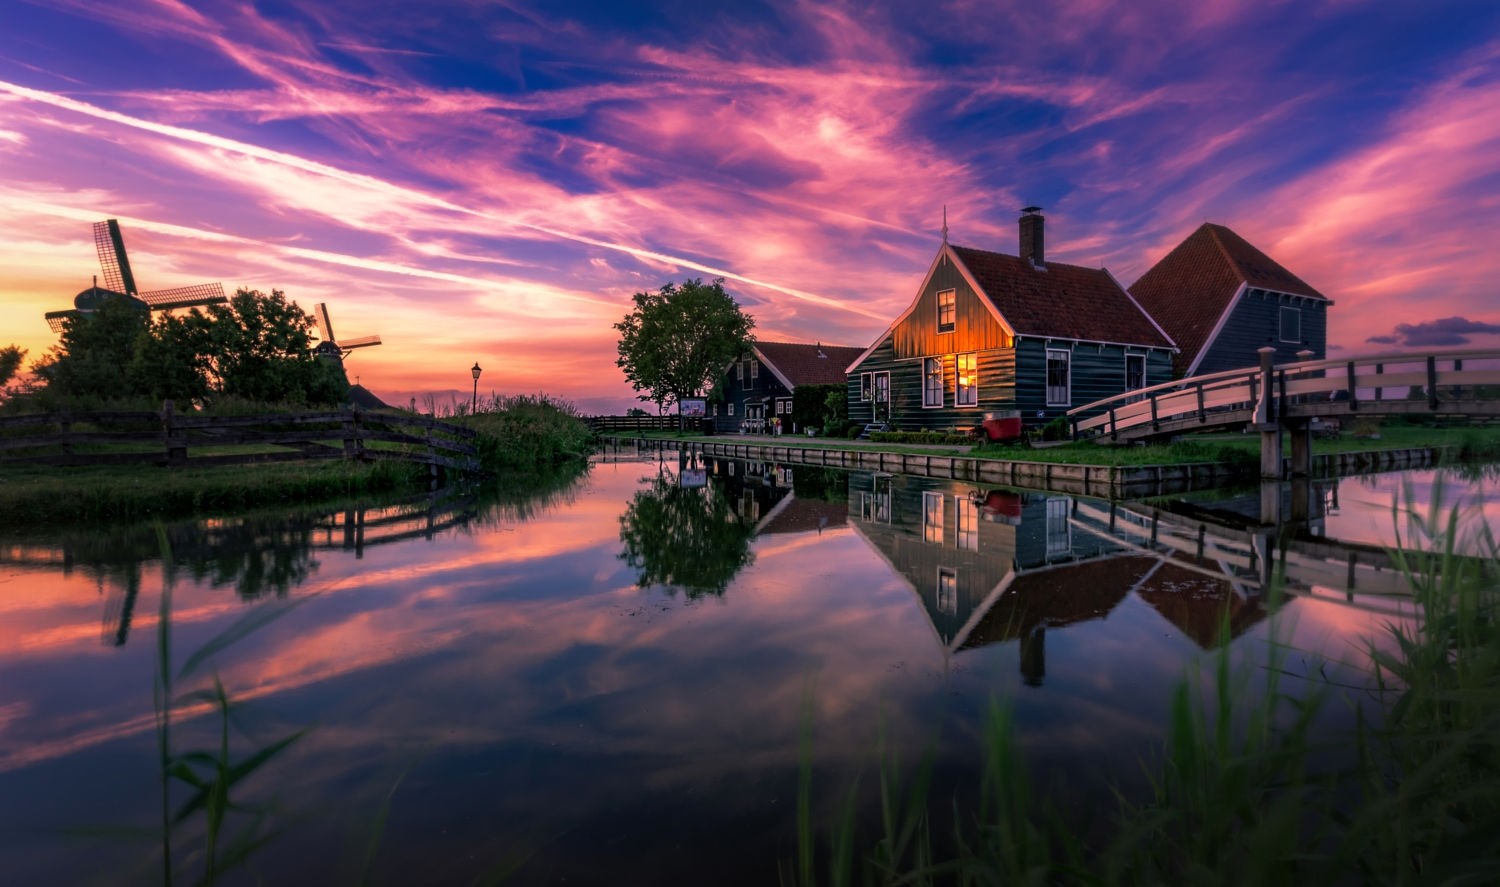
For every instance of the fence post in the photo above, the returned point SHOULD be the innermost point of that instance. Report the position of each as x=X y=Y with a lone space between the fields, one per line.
x=176 y=444
x=351 y=435
x=1432 y=398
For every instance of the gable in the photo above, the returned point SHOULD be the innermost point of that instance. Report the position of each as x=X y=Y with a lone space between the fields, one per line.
x=976 y=325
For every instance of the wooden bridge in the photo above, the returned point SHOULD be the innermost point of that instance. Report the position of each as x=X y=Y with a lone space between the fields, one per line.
x=1452 y=383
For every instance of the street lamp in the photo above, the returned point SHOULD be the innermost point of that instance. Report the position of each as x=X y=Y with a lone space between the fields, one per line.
x=474 y=410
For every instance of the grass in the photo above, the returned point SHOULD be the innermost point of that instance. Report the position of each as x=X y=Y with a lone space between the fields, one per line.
x=39 y=496
x=1244 y=790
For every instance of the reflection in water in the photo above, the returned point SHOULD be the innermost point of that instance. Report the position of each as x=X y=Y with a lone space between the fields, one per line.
x=490 y=680
x=267 y=554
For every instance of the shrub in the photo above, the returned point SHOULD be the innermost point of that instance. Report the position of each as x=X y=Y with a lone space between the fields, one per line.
x=528 y=430
x=921 y=437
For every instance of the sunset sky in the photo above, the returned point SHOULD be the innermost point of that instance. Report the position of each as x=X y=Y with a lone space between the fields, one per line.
x=491 y=181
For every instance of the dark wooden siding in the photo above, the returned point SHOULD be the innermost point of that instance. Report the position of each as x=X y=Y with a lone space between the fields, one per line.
x=1098 y=371
x=1256 y=322
x=975 y=327
x=996 y=368
x=732 y=391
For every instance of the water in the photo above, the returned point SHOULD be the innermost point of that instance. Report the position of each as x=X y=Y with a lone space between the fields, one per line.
x=491 y=691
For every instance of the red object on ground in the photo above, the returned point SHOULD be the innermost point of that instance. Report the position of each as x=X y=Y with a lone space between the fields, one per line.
x=1003 y=425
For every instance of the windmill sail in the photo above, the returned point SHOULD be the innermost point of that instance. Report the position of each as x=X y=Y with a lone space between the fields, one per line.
x=110 y=245
x=330 y=346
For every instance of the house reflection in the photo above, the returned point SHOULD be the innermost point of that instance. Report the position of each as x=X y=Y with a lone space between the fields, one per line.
x=992 y=565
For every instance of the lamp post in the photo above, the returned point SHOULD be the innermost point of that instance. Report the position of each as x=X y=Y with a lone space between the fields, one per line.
x=474 y=409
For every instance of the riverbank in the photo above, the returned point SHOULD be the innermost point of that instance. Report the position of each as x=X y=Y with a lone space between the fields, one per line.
x=1088 y=468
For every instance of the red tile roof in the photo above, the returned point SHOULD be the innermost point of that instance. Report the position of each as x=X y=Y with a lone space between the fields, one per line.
x=1062 y=301
x=800 y=364
x=1190 y=288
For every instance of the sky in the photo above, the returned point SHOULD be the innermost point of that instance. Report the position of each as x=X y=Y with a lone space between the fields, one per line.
x=491 y=180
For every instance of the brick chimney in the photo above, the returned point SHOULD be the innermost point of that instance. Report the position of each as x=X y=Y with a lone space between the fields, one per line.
x=1033 y=246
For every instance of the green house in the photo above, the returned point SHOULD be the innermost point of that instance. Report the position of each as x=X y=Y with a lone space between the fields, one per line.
x=994 y=333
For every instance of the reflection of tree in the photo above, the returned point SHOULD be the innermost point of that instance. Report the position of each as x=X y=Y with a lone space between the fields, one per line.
x=688 y=538
x=822 y=484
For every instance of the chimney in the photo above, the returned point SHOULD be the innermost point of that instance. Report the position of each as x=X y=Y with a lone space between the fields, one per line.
x=1033 y=246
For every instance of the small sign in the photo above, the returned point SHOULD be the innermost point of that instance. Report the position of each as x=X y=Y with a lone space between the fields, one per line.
x=693 y=478
x=692 y=407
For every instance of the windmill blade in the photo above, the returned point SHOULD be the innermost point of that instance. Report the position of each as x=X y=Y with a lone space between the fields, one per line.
x=185 y=296
x=320 y=318
x=361 y=342
x=56 y=319
x=110 y=245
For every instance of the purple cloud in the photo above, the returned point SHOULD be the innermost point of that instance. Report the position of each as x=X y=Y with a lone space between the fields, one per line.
x=1438 y=333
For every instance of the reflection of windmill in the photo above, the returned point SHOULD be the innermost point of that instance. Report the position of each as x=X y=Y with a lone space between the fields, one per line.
x=328 y=346
x=119 y=283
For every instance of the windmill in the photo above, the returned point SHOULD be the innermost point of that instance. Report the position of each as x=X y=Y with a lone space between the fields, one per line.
x=328 y=346
x=119 y=283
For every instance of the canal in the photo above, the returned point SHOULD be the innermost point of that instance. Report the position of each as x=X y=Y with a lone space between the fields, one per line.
x=621 y=679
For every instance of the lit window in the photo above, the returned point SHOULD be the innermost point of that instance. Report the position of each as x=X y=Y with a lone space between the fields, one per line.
x=932 y=382
x=966 y=387
x=932 y=517
x=968 y=523
x=947 y=309
x=1058 y=379
x=1291 y=325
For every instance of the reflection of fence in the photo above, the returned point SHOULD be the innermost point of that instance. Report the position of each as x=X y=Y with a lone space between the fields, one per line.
x=175 y=439
x=603 y=424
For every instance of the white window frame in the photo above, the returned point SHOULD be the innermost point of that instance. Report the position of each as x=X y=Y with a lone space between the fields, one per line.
x=966 y=395
x=1128 y=359
x=947 y=591
x=967 y=523
x=754 y=368
x=933 y=506
x=1059 y=511
x=881 y=393
x=739 y=370
x=933 y=396
x=866 y=387
x=951 y=299
x=731 y=409
x=1289 y=311
x=1067 y=387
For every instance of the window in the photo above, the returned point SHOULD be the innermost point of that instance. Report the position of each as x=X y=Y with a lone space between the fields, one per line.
x=947 y=591
x=1135 y=371
x=731 y=410
x=968 y=523
x=1058 y=378
x=739 y=370
x=754 y=368
x=716 y=410
x=1059 y=530
x=932 y=382
x=882 y=387
x=966 y=380
x=947 y=309
x=1291 y=325
x=932 y=517
x=865 y=387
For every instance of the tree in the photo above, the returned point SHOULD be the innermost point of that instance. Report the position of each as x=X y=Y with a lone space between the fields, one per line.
x=677 y=340
x=10 y=361
x=90 y=357
x=261 y=349
x=688 y=538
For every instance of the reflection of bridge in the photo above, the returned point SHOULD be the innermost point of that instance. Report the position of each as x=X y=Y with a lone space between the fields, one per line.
x=1269 y=398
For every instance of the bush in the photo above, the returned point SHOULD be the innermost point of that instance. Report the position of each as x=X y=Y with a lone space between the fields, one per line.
x=528 y=430
x=1058 y=429
x=921 y=437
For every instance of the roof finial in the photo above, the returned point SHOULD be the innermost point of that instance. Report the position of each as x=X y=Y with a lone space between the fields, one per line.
x=945 y=223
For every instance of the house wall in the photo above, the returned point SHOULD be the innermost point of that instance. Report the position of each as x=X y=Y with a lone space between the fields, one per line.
x=996 y=369
x=1098 y=371
x=733 y=391
x=975 y=327
x=1254 y=322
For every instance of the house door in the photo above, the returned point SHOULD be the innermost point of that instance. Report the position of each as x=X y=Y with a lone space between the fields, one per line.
x=755 y=417
x=882 y=396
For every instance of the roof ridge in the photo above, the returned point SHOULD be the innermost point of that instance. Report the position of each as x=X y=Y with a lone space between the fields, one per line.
x=1049 y=263
x=1213 y=232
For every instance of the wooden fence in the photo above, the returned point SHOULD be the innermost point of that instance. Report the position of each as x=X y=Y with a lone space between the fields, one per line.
x=614 y=424
x=172 y=439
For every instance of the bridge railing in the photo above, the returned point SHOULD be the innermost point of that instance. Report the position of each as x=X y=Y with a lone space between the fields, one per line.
x=1454 y=379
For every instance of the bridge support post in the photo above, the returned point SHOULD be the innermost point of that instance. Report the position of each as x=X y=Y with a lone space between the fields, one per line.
x=1270 y=503
x=1265 y=421
x=1301 y=434
x=1301 y=499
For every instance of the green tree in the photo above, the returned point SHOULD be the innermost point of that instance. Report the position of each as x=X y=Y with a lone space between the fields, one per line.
x=93 y=351
x=172 y=361
x=688 y=538
x=677 y=340
x=259 y=349
x=10 y=361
